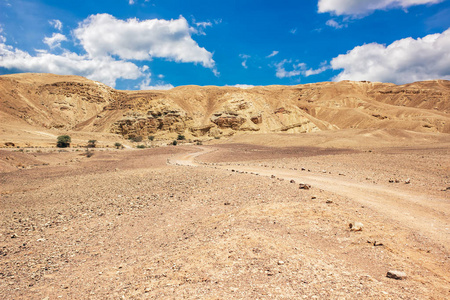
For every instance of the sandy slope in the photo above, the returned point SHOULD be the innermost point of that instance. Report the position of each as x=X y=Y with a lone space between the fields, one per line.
x=33 y=104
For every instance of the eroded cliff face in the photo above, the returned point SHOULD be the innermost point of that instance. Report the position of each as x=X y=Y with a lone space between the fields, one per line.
x=159 y=116
x=75 y=103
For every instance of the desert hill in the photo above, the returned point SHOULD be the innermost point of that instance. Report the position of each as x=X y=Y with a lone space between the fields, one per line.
x=47 y=103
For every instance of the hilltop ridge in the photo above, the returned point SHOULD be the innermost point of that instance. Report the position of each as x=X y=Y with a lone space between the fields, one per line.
x=73 y=103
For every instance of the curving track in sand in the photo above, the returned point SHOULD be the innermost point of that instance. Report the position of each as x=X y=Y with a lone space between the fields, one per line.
x=424 y=215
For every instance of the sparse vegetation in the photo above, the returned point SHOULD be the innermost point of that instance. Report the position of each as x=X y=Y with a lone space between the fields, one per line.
x=151 y=137
x=63 y=141
x=140 y=146
x=92 y=143
x=181 y=137
x=136 y=139
x=199 y=143
x=89 y=153
x=174 y=142
x=118 y=145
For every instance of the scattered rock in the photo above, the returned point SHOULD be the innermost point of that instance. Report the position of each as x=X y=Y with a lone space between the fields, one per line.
x=304 y=186
x=292 y=181
x=408 y=181
x=356 y=226
x=375 y=243
x=273 y=176
x=280 y=262
x=398 y=275
x=329 y=201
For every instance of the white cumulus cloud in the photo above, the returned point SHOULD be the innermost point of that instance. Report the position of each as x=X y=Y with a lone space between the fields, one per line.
x=403 y=61
x=242 y=86
x=245 y=58
x=146 y=85
x=297 y=69
x=106 y=69
x=272 y=54
x=55 y=40
x=57 y=24
x=200 y=27
x=364 y=7
x=334 y=23
x=103 y=35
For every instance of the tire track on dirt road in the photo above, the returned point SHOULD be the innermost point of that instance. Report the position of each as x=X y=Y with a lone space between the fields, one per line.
x=429 y=216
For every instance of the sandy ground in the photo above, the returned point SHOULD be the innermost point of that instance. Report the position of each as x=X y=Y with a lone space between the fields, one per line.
x=225 y=222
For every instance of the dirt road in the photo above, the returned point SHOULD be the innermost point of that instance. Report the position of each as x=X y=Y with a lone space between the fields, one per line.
x=414 y=211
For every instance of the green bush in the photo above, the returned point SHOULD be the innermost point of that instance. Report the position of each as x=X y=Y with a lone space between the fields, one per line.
x=118 y=145
x=63 y=141
x=174 y=142
x=151 y=137
x=92 y=143
x=135 y=139
x=181 y=137
x=89 y=153
x=140 y=146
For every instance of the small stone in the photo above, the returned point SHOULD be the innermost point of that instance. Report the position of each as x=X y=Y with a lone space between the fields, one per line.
x=304 y=186
x=292 y=181
x=398 y=275
x=408 y=181
x=356 y=226
x=280 y=262
x=329 y=201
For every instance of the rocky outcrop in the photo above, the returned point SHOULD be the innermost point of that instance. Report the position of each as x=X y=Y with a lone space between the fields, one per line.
x=227 y=120
x=161 y=117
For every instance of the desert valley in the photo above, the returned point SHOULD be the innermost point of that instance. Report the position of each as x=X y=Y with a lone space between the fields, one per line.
x=333 y=190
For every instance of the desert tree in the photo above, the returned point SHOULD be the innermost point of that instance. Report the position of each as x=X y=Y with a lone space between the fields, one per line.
x=63 y=141
x=92 y=143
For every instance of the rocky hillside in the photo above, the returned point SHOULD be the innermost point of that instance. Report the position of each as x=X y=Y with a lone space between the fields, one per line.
x=77 y=104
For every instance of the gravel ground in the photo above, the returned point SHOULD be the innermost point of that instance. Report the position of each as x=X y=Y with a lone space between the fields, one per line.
x=125 y=224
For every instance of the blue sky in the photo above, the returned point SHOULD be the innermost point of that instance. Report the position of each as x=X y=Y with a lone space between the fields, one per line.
x=164 y=43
